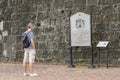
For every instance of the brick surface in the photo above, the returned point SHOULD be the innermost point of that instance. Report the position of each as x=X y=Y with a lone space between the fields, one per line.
x=58 y=72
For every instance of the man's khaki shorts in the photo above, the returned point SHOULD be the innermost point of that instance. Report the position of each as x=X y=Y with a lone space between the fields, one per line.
x=29 y=55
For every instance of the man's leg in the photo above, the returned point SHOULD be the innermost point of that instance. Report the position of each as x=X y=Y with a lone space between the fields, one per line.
x=25 y=67
x=25 y=61
x=31 y=62
x=31 y=59
x=31 y=65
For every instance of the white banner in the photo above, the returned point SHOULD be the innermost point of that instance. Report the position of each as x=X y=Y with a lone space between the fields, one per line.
x=80 y=29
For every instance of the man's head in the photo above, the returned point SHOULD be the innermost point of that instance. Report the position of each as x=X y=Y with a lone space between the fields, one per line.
x=30 y=26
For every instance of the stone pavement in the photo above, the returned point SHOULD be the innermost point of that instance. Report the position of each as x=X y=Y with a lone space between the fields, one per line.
x=58 y=72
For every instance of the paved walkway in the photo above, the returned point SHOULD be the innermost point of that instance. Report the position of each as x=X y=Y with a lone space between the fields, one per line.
x=58 y=72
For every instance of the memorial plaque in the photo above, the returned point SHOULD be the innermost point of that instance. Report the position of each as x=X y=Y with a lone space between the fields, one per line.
x=80 y=29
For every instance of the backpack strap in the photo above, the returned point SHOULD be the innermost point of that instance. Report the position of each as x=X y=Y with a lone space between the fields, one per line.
x=26 y=34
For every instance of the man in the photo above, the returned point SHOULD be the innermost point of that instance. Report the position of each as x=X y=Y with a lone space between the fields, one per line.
x=29 y=54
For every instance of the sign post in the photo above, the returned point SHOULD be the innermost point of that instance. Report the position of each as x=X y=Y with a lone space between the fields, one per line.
x=91 y=47
x=81 y=32
x=70 y=47
x=102 y=44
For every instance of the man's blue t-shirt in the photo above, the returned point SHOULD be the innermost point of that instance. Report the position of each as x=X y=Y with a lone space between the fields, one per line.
x=31 y=36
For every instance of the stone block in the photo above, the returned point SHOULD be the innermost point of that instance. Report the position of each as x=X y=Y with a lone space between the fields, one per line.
x=83 y=3
x=18 y=39
x=37 y=31
x=105 y=2
x=3 y=4
x=52 y=45
x=41 y=15
x=16 y=31
x=11 y=39
x=57 y=6
x=19 y=54
x=91 y=2
x=1 y=46
x=18 y=46
x=29 y=8
x=62 y=46
x=49 y=30
x=51 y=38
x=42 y=7
x=116 y=1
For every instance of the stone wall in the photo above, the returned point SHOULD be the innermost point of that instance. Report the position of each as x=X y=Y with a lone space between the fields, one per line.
x=51 y=19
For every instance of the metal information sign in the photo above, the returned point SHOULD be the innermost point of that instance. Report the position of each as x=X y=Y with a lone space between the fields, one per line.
x=102 y=44
x=80 y=29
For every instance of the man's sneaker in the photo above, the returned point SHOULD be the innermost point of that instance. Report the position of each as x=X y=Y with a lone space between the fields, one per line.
x=26 y=74
x=33 y=74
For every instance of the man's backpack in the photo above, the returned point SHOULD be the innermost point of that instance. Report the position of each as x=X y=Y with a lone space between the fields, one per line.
x=26 y=41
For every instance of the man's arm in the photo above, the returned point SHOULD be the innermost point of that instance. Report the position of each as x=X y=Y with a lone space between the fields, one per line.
x=33 y=43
